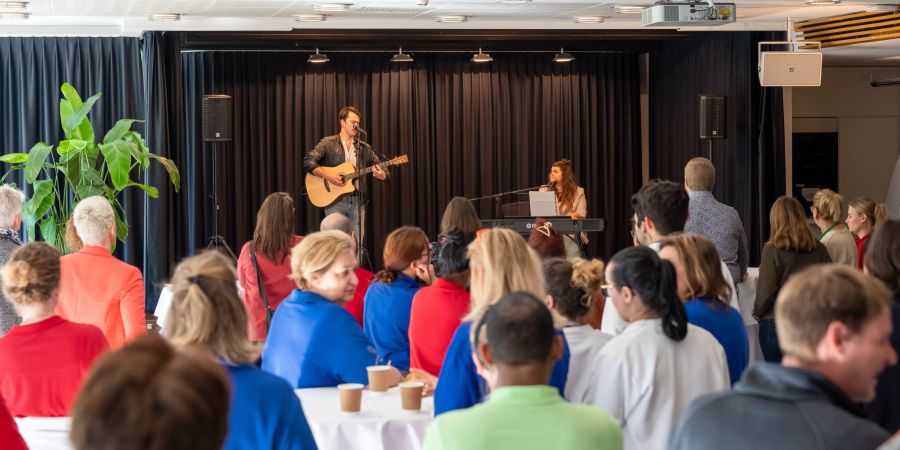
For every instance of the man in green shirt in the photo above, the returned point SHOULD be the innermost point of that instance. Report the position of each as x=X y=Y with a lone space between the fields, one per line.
x=522 y=412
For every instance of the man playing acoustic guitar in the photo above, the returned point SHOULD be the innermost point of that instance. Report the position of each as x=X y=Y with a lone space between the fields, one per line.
x=345 y=147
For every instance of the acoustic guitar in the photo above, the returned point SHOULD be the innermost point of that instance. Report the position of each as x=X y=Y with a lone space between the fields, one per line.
x=323 y=194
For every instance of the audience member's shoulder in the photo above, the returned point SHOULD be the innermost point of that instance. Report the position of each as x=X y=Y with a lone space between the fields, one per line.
x=265 y=383
x=591 y=417
x=83 y=332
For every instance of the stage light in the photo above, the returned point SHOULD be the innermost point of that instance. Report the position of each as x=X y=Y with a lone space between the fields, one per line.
x=481 y=57
x=402 y=57
x=318 y=58
x=563 y=57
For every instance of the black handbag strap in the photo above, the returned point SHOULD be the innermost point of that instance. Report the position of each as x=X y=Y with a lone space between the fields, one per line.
x=259 y=281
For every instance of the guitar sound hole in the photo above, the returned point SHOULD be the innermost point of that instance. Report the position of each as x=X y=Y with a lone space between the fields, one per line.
x=327 y=187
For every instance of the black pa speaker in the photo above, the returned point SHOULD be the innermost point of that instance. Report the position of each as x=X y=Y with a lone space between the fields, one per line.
x=712 y=117
x=216 y=118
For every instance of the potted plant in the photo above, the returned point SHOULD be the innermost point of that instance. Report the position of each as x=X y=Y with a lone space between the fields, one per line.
x=81 y=168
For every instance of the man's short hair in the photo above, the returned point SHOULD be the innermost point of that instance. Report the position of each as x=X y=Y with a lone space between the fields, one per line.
x=11 y=200
x=814 y=298
x=337 y=221
x=665 y=203
x=519 y=330
x=93 y=219
x=700 y=174
x=345 y=111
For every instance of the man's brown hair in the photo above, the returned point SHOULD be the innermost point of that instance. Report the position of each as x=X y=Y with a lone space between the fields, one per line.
x=345 y=111
x=817 y=296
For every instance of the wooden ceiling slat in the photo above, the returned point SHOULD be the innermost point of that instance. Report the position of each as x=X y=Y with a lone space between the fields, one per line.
x=808 y=23
x=842 y=36
x=880 y=37
x=844 y=29
x=879 y=16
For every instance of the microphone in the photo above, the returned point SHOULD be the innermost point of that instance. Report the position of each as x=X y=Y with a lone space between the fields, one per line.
x=360 y=129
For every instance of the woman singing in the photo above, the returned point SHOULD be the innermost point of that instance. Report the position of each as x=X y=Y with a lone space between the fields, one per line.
x=570 y=199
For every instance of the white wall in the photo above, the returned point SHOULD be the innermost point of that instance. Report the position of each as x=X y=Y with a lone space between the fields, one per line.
x=866 y=119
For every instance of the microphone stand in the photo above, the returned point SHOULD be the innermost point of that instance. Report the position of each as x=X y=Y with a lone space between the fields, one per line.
x=362 y=255
x=497 y=197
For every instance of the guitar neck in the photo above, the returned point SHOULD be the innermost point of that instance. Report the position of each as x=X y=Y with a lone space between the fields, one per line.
x=367 y=170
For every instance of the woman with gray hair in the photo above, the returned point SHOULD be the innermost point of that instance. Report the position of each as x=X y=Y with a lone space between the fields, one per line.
x=11 y=200
x=96 y=287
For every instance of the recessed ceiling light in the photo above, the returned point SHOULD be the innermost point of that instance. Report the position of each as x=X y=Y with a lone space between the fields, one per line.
x=452 y=19
x=563 y=57
x=13 y=5
x=629 y=9
x=14 y=15
x=588 y=19
x=481 y=57
x=318 y=58
x=823 y=2
x=332 y=7
x=310 y=17
x=165 y=16
x=402 y=57
x=514 y=2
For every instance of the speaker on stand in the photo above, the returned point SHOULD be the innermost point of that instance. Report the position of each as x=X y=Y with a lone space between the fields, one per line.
x=712 y=118
x=217 y=127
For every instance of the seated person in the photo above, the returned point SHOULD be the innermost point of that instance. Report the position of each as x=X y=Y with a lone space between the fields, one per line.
x=340 y=222
x=388 y=302
x=207 y=312
x=44 y=359
x=650 y=373
x=572 y=288
x=437 y=310
x=546 y=241
x=834 y=327
x=704 y=292
x=147 y=396
x=313 y=341
x=96 y=288
x=9 y=432
x=516 y=347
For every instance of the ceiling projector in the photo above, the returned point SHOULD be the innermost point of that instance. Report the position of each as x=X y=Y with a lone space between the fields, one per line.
x=700 y=14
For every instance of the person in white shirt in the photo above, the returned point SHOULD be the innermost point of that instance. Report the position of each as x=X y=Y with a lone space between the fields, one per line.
x=572 y=288
x=648 y=375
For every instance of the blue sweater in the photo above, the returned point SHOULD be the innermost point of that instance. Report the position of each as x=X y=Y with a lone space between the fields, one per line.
x=265 y=413
x=727 y=326
x=459 y=385
x=316 y=343
x=386 y=318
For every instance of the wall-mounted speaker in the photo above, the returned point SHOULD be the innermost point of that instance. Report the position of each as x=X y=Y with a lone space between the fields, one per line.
x=217 y=118
x=712 y=117
x=790 y=69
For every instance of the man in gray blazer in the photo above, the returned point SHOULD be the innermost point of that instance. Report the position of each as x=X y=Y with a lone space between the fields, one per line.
x=11 y=200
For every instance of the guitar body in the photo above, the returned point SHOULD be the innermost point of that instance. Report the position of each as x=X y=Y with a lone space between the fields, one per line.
x=324 y=194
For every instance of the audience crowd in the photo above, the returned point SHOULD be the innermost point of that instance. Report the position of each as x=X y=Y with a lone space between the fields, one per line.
x=522 y=345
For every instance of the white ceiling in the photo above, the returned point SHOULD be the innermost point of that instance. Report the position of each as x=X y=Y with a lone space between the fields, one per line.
x=129 y=17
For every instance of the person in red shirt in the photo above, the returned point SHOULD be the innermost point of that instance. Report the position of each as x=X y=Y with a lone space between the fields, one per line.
x=43 y=360
x=437 y=310
x=863 y=215
x=340 y=222
x=272 y=242
x=9 y=432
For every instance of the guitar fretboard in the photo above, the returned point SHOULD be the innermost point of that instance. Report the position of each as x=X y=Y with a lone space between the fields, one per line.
x=361 y=172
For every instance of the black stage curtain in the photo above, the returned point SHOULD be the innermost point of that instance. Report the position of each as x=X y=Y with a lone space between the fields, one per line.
x=31 y=73
x=468 y=129
x=750 y=161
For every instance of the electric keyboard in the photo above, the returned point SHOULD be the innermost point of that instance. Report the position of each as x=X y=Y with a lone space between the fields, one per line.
x=562 y=225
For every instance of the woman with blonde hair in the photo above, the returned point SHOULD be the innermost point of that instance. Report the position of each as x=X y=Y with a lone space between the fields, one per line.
x=827 y=212
x=207 y=312
x=314 y=341
x=791 y=248
x=705 y=293
x=573 y=289
x=388 y=301
x=44 y=359
x=500 y=262
x=266 y=260
x=863 y=216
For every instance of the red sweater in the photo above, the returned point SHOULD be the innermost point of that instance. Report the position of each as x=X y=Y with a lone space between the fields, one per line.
x=355 y=306
x=437 y=311
x=9 y=432
x=861 y=250
x=42 y=365
x=275 y=280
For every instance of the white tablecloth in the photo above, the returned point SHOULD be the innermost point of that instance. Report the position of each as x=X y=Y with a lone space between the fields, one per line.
x=45 y=433
x=380 y=425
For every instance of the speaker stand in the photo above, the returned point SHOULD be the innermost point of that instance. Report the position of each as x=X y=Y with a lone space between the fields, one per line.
x=710 y=146
x=215 y=241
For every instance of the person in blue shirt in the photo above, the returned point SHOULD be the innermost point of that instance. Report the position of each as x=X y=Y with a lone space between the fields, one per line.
x=704 y=291
x=313 y=340
x=207 y=312
x=388 y=301
x=501 y=262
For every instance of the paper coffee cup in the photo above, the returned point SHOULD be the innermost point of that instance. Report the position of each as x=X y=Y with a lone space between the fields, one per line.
x=379 y=378
x=411 y=395
x=351 y=397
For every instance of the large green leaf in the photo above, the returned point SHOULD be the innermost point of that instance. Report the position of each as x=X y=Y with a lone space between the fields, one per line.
x=40 y=202
x=121 y=225
x=66 y=146
x=70 y=164
x=174 y=175
x=14 y=158
x=150 y=190
x=91 y=184
x=80 y=114
x=141 y=153
x=69 y=92
x=118 y=160
x=35 y=162
x=48 y=231
x=66 y=111
x=119 y=130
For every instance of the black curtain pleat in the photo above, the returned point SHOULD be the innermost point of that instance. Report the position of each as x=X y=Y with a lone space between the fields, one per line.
x=468 y=129
x=750 y=160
